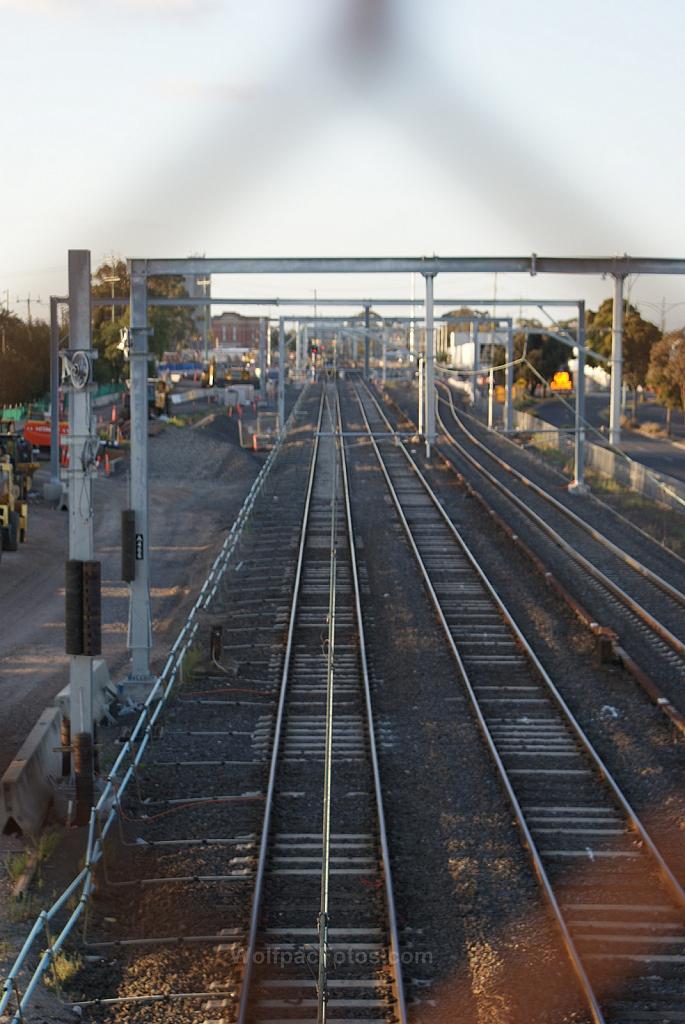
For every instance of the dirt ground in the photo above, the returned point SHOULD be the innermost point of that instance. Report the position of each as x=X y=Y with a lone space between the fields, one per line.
x=199 y=477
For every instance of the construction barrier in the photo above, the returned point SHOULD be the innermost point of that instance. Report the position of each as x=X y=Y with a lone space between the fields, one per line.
x=26 y=788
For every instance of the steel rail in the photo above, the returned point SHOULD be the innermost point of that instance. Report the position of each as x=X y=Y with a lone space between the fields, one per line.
x=507 y=437
x=373 y=751
x=324 y=916
x=629 y=602
x=108 y=803
x=664 y=870
x=250 y=947
x=667 y=874
x=597 y=535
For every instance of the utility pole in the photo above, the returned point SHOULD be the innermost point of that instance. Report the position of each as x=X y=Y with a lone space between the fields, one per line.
x=205 y=283
x=138 y=545
x=509 y=379
x=430 y=365
x=112 y=279
x=367 y=322
x=281 y=373
x=616 y=363
x=262 y=358
x=579 y=486
x=82 y=586
x=54 y=393
x=298 y=350
x=28 y=300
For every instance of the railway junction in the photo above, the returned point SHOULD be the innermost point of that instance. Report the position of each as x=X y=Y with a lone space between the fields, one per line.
x=417 y=751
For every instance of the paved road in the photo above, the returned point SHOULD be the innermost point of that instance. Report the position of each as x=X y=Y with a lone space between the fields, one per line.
x=658 y=454
x=191 y=506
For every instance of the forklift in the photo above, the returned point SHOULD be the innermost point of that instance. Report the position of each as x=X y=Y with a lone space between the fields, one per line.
x=16 y=471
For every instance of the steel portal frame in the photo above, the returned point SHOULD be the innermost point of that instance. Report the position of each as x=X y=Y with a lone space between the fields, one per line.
x=140 y=270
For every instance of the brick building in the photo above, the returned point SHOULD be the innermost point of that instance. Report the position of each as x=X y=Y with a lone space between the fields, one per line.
x=236 y=331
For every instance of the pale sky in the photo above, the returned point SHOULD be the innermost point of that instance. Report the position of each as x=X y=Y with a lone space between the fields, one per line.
x=343 y=127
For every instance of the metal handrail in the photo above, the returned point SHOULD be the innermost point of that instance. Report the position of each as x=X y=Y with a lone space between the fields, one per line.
x=110 y=797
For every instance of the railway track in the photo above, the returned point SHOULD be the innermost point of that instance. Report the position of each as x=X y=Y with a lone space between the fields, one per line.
x=209 y=908
x=641 y=603
x=618 y=906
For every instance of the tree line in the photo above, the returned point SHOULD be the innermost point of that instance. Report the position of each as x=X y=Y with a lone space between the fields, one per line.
x=650 y=359
x=25 y=346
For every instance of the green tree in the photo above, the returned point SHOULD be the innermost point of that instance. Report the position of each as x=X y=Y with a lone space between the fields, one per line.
x=639 y=336
x=24 y=359
x=660 y=375
x=172 y=326
x=544 y=354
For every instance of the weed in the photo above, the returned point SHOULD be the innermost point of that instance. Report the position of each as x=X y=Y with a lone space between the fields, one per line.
x=186 y=672
x=653 y=429
x=665 y=524
x=17 y=863
x=47 y=844
x=106 y=760
x=20 y=911
x=553 y=456
x=65 y=967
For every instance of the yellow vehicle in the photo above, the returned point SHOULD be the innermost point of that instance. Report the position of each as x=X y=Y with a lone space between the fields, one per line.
x=157 y=391
x=14 y=509
x=159 y=396
x=221 y=374
x=562 y=381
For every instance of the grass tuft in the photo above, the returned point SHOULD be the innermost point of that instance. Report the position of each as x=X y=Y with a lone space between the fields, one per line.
x=65 y=967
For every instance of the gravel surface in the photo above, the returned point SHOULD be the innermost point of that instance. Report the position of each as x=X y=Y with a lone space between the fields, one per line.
x=479 y=943
x=182 y=864
x=631 y=735
x=466 y=897
x=199 y=477
x=658 y=659
x=593 y=512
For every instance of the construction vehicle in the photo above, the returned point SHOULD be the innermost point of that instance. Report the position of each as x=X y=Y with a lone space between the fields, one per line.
x=38 y=433
x=157 y=392
x=14 y=509
x=18 y=448
x=223 y=375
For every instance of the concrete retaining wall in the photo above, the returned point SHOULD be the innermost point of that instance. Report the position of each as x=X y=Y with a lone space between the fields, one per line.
x=545 y=432
x=26 y=789
x=629 y=474
x=192 y=395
